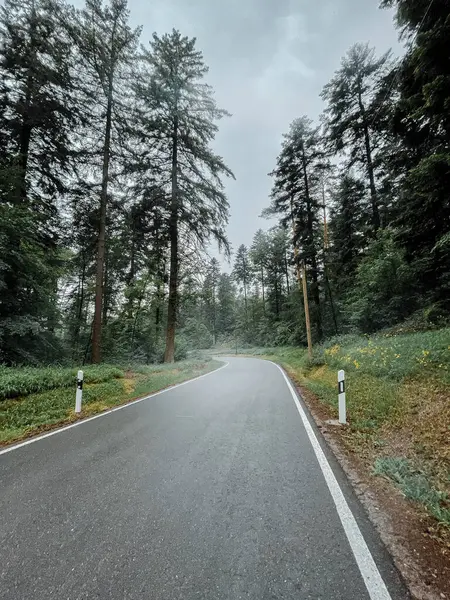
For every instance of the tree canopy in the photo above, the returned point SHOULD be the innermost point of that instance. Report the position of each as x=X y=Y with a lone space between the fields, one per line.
x=112 y=197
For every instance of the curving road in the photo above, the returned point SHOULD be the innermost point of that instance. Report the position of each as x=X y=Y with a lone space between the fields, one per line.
x=214 y=490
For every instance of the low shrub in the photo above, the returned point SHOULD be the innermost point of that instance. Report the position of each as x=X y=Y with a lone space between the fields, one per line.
x=22 y=381
x=416 y=486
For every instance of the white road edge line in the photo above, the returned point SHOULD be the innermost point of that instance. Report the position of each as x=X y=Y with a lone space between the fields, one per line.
x=106 y=413
x=372 y=578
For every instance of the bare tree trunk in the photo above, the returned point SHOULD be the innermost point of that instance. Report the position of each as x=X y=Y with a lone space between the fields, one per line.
x=99 y=280
x=314 y=269
x=325 y=221
x=373 y=190
x=106 y=290
x=286 y=272
x=130 y=279
x=81 y=282
x=160 y=273
x=277 y=303
x=214 y=314
x=263 y=291
x=294 y=242
x=24 y=149
x=245 y=301
x=306 y=304
x=330 y=293
x=136 y=316
x=169 y=355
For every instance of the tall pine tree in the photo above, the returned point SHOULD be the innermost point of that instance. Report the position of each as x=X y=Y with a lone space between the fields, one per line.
x=106 y=45
x=180 y=113
x=352 y=112
x=37 y=113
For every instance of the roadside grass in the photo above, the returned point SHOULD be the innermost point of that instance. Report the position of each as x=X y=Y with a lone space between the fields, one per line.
x=392 y=356
x=15 y=382
x=398 y=404
x=105 y=387
x=416 y=486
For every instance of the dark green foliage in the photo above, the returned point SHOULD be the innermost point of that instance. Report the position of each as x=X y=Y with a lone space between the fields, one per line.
x=111 y=192
x=194 y=335
x=423 y=226
x=178 y=120
x=36 y=114
x=352 y=114
x=28 y=274
x=225 y=315
x=349 y=221
x=383 y=291
x=295 y=197
x=421 y=121
x=242 y=274
x=86 y=180
x=389 y=126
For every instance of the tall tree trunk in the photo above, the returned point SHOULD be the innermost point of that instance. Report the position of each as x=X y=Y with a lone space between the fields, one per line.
x=24 y=150
x=263 y=291
x=277 y=303
x=135 y=320
x=252 y=304
x=325 y=221
x=158 y=309
x=286 y=272
x=79 y=315
x=330 y=294
x=294 y=243
x=161 y=271
x=106 y=290
x=312 y=251
x=373 y=190
x=99 y=280
x=245 y=300
x=214 y=315
x=169 y=355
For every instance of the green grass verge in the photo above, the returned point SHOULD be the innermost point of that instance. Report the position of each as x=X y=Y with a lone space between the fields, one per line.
x=391 y=356
x=398 y=399
x=35 y=412
x=28 y=380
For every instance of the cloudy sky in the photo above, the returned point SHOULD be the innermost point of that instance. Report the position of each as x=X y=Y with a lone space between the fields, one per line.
x=269 y=60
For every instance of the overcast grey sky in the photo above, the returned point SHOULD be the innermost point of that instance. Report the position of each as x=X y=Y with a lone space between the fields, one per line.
x=269 y=60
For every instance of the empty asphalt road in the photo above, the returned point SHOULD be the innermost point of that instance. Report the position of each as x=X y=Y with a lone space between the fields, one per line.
x=217 y=489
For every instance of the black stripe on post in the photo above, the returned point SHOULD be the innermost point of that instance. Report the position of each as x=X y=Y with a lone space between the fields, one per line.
x=341 y=387
x=79 y=384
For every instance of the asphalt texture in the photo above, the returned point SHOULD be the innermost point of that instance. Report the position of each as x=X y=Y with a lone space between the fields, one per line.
x=209 y=491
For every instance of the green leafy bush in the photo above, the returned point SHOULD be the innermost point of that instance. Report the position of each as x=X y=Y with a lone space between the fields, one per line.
x=195 y=335
x=416 y=486
x=384 y=292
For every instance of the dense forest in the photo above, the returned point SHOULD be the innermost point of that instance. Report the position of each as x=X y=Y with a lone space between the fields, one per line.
x=111 y=194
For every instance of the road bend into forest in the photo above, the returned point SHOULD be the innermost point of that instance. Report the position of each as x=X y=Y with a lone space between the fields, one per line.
x=220 y=488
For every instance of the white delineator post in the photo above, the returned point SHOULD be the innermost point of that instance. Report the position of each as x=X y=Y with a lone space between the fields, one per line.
x=341 y=390
x=79 y=395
